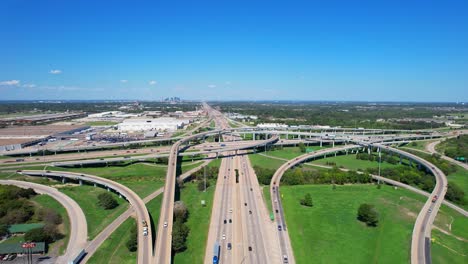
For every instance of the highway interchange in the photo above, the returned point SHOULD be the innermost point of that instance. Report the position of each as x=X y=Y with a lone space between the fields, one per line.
x=240 y=222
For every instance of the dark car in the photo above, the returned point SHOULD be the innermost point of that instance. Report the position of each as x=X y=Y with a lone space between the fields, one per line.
x=279 y=228
x=250 y=248
x=230 y=221
x=229 y=246
x=225 y=221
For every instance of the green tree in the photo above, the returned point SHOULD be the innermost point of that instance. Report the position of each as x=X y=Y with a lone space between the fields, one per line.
x=302 y=147
x=180 y=211
x=455 y=193
x=368 y=214
x=307 y=200
x=132 y=242
x=179 y=236
x=106 y=201
x=4 y=230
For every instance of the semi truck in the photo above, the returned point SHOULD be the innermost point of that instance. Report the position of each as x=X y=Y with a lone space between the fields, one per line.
x=216 y=253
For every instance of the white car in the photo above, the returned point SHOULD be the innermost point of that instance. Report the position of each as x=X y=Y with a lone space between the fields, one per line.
x=165 y=224
x=224 y=236
x=230 y=210
x=145 y=232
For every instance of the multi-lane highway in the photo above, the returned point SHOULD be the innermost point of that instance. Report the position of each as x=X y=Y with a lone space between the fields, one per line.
x=78 y=225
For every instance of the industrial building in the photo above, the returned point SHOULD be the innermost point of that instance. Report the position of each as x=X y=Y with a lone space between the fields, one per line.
x=14 y=138
x=156 y=124
x=39 y=119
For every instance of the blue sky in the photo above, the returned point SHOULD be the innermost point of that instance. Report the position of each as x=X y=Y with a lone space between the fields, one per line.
x=308 y=50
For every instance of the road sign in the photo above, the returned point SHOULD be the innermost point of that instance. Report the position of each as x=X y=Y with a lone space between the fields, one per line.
x=28 y=245
x=460 y=158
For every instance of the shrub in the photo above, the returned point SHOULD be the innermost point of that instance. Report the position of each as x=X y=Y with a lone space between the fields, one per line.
x=368 y=214
x=106 y=201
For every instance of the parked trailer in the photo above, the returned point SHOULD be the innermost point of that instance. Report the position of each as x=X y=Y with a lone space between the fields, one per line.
x=216 y=253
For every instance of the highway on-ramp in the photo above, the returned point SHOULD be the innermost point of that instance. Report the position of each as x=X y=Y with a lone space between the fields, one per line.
x=144 y=242
x=78 y=226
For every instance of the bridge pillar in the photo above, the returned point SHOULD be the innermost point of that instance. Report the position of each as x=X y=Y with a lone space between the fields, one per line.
x=81 y=182
x=335 y=154
x=108 y=189
x=320 y=141
x=120 y=195
x=253 y=136
x=410 y=163
x=95 y=185
x=400 y=159
x=333 y=143
x=64 y=180
x=419 y=166
x=217 y=154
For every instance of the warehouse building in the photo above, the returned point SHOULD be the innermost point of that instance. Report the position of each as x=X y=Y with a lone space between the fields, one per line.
x=155 y=124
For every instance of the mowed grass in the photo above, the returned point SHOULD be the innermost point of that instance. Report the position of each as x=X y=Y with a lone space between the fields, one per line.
x=113 y=250
x=421 y=145
x=46 y=201
x=330 y=226
x=350 y=162
x=265 y=162
x=460 y=178
x=198 y=222
x=140 y=178
x=96 y=217
x=448 y=250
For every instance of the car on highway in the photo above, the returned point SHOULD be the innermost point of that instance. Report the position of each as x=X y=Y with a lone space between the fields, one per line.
x=230 y=210
x=250 y=211
x=229 y=246
x=245 y=204
x=165 y=224
x=225 y=221
x=285 y=259
x=224 y=236
x=145 y=232
x=230 y=221
x=250 y=248
x=430 y=210
x=279 y=228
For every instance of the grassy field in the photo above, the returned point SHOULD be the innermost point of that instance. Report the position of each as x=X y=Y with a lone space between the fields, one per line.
x=96 y=217
x=350 y=162
x=113 y=250
x=49 y=202
x=265 y=162
x=421 y=145
x=330 y=226
x=198 y=222
x=460 y=177
x=448 y=250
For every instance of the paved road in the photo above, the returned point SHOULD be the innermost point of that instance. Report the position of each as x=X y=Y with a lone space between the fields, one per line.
x=386 y=180
x=144 y=242
x=101 y=237
x=420 y=243
x=431 y=148
x=78 y=225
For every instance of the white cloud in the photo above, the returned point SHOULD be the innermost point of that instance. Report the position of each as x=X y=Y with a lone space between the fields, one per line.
x=212 y=86
x=124 y=81
x=30 y=85
x=55 y=71
x=152 y=82
x=10 y=83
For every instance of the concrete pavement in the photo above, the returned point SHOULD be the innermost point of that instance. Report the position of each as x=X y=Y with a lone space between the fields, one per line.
x=78 y=225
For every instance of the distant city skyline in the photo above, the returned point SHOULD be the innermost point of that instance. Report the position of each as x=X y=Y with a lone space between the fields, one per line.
x=412 y=51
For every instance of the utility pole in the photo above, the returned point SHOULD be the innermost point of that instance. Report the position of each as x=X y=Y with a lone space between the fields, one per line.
x=380 y=161
x=204 y=176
